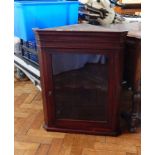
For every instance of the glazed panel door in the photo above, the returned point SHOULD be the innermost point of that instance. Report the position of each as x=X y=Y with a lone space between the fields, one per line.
x=80 y=86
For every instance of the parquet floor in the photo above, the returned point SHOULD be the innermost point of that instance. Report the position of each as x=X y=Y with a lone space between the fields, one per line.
x=32 y=139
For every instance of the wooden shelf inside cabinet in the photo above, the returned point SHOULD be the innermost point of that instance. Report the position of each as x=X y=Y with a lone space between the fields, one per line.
x=81 y=74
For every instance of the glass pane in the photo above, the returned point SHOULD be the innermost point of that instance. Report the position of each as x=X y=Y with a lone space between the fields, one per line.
x=80 y=86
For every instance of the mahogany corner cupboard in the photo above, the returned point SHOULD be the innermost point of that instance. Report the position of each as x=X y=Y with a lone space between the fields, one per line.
x=81 y=75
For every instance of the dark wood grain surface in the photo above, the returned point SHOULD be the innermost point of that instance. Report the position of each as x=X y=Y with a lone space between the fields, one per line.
x=110 y=44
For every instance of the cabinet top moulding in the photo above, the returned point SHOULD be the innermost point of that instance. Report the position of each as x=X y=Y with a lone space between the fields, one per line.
x=81 y=36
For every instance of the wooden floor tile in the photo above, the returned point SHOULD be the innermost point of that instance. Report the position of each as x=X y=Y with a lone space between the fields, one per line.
x=116 y=147
x=44 y=133
x=55 y=146
x=18 y=151
x=43 y=149
x=25 y=145
x=102 y=152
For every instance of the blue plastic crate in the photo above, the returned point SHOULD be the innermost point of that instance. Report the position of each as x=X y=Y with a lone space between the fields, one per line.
x=33 y=57
x=42 y=14
x=25 y=54
x=30 y=56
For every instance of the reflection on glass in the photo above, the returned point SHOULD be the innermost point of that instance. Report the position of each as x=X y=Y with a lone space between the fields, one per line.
x=80 y=86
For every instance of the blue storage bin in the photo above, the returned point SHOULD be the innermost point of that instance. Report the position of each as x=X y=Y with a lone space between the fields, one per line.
x=33 y=58
x=42 y=14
